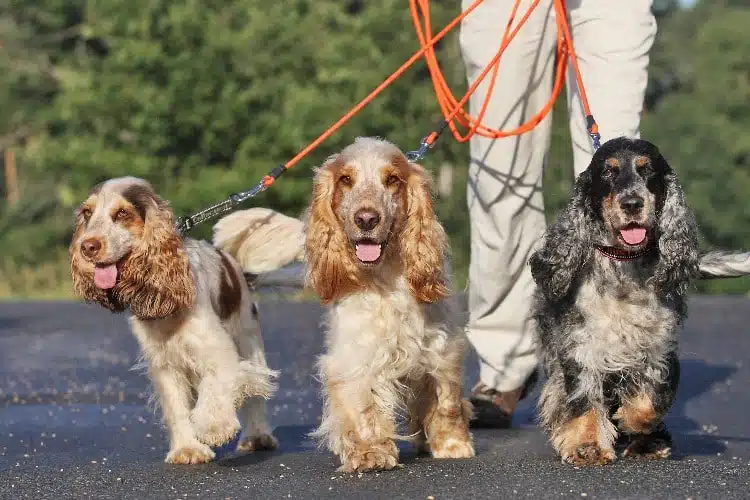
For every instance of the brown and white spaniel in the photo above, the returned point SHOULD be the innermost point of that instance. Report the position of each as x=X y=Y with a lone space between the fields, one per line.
x=191 y=310
x=376 y=255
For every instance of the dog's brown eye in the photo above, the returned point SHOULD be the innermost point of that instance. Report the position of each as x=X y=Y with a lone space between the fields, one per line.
x=611 y=167
x=391 y=180
x=345 y=180
x=121 y=214
x=86 y=213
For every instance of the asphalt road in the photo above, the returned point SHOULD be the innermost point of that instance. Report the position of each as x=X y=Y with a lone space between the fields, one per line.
x=74 y=422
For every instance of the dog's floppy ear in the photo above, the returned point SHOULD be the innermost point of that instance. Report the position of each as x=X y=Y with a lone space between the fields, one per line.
x=678 y=239
x=156 y=279
x=423 y=242
x=330 y=269
x=566 y=243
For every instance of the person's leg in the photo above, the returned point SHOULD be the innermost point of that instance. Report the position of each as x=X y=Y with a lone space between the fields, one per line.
x=505 y=198
x=613 y=39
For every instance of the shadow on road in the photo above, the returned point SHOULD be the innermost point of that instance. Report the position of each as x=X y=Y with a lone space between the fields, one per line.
x=7 y=323
x=292 y=438
x=696 y=379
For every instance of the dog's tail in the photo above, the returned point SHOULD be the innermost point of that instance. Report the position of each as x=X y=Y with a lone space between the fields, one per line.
x=260 y=239
x=721 y=264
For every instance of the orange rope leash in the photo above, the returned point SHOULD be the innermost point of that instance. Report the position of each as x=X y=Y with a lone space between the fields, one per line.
x=453 y=109
x=269 y=179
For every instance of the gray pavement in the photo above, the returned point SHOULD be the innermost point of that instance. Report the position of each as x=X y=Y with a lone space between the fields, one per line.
x=74 y=422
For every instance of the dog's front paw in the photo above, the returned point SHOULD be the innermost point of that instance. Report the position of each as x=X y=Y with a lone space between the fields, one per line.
x=215 y=430
x=370 y=459
x=258 y=442
x=195 y=453
x=590 y=454
x=453 y=448
x=649 y=447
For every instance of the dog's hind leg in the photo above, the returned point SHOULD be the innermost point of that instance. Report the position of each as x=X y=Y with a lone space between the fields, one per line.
x=256 y=433
x=420 y=397
x=640 y=417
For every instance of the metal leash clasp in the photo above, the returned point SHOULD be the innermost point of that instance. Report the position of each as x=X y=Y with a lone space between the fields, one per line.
x=183 y=225
x=418 y=154
x=595 y=139
x=593 y=130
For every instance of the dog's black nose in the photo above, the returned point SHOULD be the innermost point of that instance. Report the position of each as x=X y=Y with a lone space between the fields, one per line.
x=366 y=219
x=90 y=247
x=631 y=204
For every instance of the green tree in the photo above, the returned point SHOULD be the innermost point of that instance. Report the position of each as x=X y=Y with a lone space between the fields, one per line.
x=35 y=41
x=203 y=98
x=702 y=127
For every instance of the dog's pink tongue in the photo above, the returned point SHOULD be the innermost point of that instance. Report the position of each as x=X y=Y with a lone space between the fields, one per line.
x=634 y=235
x=368 y=252
x=105 y=277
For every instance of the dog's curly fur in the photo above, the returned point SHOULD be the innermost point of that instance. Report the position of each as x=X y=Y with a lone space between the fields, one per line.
x=608 y=327
x=393 y=344
x=612 y=273
x=191 y=313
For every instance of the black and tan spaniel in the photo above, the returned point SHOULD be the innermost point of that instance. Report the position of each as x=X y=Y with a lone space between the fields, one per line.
x=611 y=275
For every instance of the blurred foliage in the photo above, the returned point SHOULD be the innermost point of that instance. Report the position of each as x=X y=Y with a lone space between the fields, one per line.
x=203 y=98
x=703 y=125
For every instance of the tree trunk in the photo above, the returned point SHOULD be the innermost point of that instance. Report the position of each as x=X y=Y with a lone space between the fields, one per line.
x=11 y=177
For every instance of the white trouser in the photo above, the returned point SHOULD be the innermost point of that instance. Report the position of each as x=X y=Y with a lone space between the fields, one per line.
x=612 y=39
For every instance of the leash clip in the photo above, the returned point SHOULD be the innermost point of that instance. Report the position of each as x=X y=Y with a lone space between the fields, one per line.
x=183 y=225
x=593 y=130
x=595 y=139
x=418 y=154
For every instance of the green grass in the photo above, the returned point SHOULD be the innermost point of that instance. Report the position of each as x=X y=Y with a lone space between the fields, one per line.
x=46 y=281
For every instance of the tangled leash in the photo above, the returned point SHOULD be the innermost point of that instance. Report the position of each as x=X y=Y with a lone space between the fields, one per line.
x=454 y=114
x=455 y=117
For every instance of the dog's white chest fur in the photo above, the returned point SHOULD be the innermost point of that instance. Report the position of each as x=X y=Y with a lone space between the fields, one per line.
x=387 y=334
x=622 y=327
x=165 y=345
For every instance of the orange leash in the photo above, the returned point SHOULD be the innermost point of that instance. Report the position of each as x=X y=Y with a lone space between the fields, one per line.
x=269 y=179
x=452 y=109
x=185 y=224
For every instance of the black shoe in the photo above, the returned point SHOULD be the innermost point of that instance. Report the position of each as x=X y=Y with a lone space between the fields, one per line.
x=494 y=409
